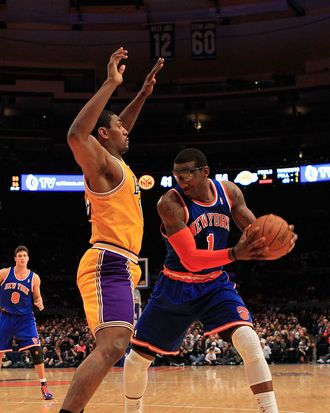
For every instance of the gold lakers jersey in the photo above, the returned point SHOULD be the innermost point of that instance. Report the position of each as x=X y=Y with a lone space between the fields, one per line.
x=116 y=216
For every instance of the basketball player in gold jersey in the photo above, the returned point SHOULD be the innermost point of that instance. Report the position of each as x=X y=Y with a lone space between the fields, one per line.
x=108 y=271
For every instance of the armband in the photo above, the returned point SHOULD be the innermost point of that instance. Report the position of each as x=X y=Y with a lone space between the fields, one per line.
x=194 y=259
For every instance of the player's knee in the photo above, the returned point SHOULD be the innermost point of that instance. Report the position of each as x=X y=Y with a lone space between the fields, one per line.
x=114 y=351
x=37 y=355
x=247 y=343
x=112 y=354
x=135 y=365
x=137 y=360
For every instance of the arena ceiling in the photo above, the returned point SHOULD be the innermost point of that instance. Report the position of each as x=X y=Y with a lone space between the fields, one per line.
x=266 y=91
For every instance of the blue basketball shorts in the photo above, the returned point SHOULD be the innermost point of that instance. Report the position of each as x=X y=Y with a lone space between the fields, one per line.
x=175 y=305
x=22 y=327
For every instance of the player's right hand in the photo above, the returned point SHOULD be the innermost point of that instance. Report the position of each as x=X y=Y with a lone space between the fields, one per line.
x=249 y=248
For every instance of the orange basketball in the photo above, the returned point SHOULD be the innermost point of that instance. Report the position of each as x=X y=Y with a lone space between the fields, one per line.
x=277 y=233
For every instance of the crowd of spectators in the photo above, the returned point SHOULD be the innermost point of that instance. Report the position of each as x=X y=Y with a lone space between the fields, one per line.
x=284 y=337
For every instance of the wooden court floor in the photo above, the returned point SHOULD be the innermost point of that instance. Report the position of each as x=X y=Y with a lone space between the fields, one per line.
x=218 y=389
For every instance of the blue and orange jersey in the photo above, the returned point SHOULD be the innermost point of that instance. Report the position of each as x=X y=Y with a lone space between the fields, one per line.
x=116 y=216
x=16 y=295
x=209 y=224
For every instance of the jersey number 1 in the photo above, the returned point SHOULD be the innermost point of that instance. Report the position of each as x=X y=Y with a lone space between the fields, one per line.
x=210 y=241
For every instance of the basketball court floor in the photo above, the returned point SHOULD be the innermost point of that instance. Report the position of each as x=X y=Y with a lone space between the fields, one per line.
x=217 y=389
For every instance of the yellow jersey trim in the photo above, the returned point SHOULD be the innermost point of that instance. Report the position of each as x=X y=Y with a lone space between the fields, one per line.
x=108 y=324
x=112 y=191
x=118 y=250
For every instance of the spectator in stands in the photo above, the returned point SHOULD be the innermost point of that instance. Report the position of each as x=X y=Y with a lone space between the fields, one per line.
x=49 y=356
x=211 y=355
x=197 y=355
x=278 y=348
x=267 y=350
x=230 y=355
x=291 y=352
x=81 y=350
x=303 y=350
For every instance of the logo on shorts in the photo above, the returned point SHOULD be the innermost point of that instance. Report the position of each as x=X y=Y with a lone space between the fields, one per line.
x=243 y=313
x=35 y=340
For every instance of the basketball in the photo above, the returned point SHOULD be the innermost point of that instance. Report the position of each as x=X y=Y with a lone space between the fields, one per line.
x=277 y=233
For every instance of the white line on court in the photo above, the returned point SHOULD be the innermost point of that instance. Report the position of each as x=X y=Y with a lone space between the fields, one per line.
x=170 y=406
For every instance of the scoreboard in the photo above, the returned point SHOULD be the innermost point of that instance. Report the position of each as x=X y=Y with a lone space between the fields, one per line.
x=253 y=177
x=288 y=175
x=268 y=176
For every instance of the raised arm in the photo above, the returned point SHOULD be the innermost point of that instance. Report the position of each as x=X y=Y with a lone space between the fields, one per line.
x=88 y=152
x=131 y=112
x=37 y=299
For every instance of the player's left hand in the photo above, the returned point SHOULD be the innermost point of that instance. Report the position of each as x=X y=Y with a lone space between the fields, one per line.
x=39 y=304
x=150 y=80
x=249 y=248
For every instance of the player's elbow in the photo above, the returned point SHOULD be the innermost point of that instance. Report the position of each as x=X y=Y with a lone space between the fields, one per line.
x=72 y=136
x=78 y=131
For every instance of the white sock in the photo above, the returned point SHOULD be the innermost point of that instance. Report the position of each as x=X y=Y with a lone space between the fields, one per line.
x=133 y=405
x=135 y=381
x=266 y=402
x=43 y=381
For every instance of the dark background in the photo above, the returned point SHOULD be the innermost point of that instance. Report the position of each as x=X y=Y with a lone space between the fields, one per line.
x=262 y=101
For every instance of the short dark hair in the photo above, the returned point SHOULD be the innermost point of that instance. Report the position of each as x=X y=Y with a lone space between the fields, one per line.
x=191 y=154
x=103 y=121
x=21 y=248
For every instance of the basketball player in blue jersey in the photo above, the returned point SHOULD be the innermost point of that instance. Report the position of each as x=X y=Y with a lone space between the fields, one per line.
x=19 y=290
x=192 y=286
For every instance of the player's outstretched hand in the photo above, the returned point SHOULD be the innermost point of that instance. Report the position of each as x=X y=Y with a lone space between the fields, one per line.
x=249 y=248
x=150 y=80
x=115 y=72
